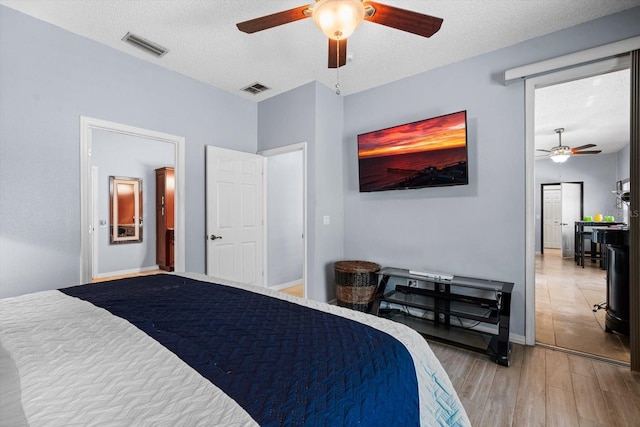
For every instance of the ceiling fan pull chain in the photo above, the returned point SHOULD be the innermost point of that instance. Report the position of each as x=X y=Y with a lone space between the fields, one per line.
x=338 y=66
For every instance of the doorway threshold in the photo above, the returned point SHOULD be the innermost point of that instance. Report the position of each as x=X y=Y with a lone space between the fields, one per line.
x=582 y=354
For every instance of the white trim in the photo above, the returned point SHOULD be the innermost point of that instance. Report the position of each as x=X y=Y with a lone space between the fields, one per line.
x=531 y=84
x=265 y=219
x=94 y=228
x=282 y=286
x=572 y=59
x=87 y=125
x=283 y=150
x=125 y=272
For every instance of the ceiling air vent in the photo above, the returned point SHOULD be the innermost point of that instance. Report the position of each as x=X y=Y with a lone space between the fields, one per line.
x=144 y=44
x=255 y=88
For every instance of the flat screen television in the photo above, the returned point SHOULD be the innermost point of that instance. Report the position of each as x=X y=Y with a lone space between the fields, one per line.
x=427 y=153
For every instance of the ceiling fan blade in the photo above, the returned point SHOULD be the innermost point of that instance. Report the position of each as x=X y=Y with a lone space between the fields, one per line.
x=546 y=151
x=273 y=20
x=404 y=20
x=586 y=152
x=333 y=54
x=582 y=147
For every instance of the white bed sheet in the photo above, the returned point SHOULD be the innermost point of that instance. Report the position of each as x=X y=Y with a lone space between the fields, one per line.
x=79 y=365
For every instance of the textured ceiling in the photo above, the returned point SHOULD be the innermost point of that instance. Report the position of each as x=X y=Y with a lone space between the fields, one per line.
x=205 y=44
x=592 y=110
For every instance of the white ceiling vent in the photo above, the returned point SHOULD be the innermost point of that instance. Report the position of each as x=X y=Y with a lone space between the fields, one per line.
x=146 y=45
x=255 y=88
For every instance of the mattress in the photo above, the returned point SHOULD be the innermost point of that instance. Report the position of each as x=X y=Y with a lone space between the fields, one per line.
x=192 y=350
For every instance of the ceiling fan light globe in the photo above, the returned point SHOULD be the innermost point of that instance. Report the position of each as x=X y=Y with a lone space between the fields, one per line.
x=338 y=18
x=559 y=158
x=560 y=154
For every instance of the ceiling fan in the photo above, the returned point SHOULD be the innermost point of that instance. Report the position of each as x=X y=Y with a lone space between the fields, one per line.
x=561 y=153
x=339 y=18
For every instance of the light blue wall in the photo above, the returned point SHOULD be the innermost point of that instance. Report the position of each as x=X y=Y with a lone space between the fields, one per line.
x=284 y=218
x=116 y=154
x=313 y=113
x=330 y=184
x=479 y=229
x=624 y=161
x=48 y=79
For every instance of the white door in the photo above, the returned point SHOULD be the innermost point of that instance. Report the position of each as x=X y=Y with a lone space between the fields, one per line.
x=234 y=215
x=571 y=201
x=552 y=218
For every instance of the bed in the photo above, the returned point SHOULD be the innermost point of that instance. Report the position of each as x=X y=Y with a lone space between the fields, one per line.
x=186 y=349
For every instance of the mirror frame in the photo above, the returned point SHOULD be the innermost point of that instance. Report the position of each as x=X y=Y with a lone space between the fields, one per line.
x=128 y=232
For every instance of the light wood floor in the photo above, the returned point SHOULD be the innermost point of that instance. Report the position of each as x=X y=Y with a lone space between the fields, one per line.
x=542 y=387
x=297 y=290
x=565 y=296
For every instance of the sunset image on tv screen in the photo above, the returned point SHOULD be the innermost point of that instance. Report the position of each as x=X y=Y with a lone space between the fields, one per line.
x=427 y=153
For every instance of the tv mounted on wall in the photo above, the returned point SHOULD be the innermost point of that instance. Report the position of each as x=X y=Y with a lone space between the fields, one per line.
x=427 y=153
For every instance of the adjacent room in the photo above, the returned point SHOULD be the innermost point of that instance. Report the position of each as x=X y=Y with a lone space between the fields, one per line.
x=571 y=279
x=222 y=211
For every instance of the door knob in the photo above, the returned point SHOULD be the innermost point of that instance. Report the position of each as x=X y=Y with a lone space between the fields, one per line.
x=214 y=237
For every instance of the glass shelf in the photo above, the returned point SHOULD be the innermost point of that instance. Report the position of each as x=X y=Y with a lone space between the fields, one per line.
x=443 y=297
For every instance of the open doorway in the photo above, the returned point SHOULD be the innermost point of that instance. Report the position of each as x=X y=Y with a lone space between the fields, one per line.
x=92 y=130
x=285 y=219
x=561 y=205
x=566 y=290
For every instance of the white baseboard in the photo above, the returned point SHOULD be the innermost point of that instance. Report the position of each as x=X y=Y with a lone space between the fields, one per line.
x=281 y=286
x=123 y=272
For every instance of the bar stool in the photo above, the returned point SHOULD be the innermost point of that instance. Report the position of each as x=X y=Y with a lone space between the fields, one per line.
x=594 y=250
x=582 y=236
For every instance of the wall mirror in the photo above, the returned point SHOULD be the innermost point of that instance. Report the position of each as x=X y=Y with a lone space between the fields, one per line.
x=126 y=209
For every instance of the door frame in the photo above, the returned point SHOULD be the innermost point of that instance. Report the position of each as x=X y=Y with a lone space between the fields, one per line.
x=301 y=146
x=542 y=206
x=87 y=126
x=531 y=84
x=95 y=265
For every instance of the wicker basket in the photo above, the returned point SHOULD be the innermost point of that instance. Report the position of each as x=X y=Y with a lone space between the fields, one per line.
x=356 y=283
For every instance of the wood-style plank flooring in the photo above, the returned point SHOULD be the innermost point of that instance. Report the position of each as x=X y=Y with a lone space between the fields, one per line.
x=297 y=290
x=542 y=387
x=565 y=296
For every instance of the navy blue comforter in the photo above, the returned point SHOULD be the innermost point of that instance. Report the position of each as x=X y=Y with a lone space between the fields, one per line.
x=285 y=364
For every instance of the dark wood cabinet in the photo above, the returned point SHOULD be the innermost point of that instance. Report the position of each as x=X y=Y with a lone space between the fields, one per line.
x=165 y=187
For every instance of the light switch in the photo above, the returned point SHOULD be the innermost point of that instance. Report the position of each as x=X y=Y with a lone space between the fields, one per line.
x=326 y=220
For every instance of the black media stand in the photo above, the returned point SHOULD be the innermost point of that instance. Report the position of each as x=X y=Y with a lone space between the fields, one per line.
x=447 y=303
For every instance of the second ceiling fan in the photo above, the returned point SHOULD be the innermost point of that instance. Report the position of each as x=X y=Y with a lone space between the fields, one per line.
x=561 y=153
x=339 y=18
